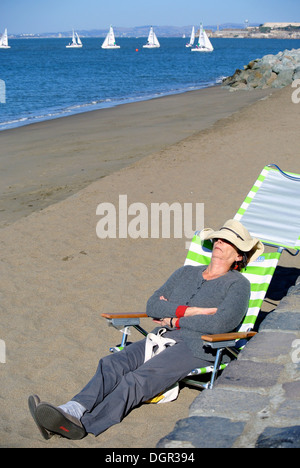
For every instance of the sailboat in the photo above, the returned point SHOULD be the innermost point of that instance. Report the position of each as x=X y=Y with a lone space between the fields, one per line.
x=110 y=41
x=4 y=41
x=204 y=44
x=76 y=42
x=192 y=39
x=152 y=42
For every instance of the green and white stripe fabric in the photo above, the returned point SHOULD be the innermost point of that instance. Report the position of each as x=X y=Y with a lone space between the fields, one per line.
x=252 y=193
x=271 y=210
x=259 y=273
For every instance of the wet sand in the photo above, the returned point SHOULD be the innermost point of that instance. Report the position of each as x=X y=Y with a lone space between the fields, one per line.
x=57 y=276
x=48 y=161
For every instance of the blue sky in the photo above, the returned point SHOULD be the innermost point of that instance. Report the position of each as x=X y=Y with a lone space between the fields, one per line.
x=35 y=16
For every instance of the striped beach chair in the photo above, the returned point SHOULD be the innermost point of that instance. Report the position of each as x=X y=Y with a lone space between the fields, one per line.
x=260 y=274
x=270 y=212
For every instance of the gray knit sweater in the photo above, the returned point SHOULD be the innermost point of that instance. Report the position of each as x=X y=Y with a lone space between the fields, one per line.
x=187 y=287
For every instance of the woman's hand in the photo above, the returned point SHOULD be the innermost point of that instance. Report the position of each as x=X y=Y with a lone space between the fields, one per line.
x=165 y=322
x=191 y=311
x=162 y=298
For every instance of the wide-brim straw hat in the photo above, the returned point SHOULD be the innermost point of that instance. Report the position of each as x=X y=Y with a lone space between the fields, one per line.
x=234 y=232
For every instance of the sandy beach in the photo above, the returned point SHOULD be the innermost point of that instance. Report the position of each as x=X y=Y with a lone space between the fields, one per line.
x=57 y=276
x=46 y=162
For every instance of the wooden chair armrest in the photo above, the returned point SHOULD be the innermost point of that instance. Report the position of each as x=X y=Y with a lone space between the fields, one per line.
x=227 y=336
x=123 y=315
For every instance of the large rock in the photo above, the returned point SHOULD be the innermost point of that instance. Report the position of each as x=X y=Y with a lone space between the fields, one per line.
x=276 y=71
x=284 y=78
x=297 y=73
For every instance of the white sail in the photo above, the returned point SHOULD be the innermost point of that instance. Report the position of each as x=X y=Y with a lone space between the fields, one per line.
x=204 y=44
x=152 y=42
x=4 y=41
x=192 y=39
x=76 y=42
x=110 y=41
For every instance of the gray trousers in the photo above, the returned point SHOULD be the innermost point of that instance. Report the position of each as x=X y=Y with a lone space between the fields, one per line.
x=123 y=381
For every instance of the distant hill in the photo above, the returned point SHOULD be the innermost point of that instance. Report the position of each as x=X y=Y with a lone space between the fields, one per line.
x=138 y=31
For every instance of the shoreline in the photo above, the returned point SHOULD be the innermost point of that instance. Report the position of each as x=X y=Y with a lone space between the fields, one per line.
x=108 y=104
x=45 y=162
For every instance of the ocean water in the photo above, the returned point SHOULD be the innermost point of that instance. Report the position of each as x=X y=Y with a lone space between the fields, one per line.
x=44 y=80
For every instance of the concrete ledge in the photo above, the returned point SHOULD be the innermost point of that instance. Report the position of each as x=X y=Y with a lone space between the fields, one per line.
x=203 y=432
x=273 y=437
x=227 y=403
x=256 y=401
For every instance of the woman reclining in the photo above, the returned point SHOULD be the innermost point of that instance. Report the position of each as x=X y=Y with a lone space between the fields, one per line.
x=195 y=300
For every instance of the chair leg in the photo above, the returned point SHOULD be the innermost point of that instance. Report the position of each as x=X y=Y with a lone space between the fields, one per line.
x=124 y=337
x=140 y=329
x=216 y=367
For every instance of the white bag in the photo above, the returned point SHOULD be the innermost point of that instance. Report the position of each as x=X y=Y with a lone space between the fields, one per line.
x=161 y=343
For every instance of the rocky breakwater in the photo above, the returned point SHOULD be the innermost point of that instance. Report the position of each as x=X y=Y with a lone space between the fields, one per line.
x=276 y=71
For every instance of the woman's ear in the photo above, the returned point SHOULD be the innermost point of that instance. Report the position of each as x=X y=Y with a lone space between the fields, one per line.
x=239 y=257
